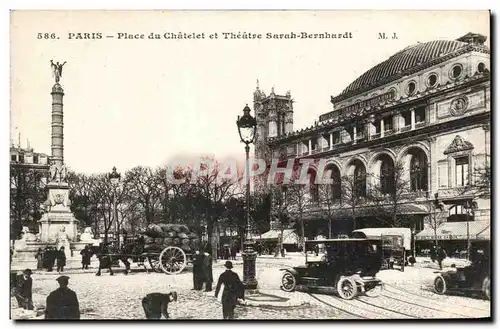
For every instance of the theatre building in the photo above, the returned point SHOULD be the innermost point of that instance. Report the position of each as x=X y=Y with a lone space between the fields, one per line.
x=422 y=115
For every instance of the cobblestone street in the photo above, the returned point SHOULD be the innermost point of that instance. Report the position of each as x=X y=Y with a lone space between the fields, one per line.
x=407 y=295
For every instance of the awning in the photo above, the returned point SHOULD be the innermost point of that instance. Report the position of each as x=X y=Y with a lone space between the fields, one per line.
x=455 y=231
x=289 y=236
x=369 y=211
x=484 y=234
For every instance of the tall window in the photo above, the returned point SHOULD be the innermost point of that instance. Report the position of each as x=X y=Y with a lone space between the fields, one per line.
x=407 y=118
x=13 y=157
x=336 y=183
x=420 y=114
x=360 y=180
x=462 y=171
x=313 y=187
x=418 y=171
x=35 y=158
x=387 y=176
x=21 y=158
x=388 y=123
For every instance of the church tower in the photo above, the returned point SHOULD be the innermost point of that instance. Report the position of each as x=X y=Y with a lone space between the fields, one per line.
x=274 y=115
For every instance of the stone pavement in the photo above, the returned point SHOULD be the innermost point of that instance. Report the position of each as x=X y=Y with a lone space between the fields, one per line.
x=407 y=295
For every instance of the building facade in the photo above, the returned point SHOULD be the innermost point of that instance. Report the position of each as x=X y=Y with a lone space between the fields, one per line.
x=422 y=115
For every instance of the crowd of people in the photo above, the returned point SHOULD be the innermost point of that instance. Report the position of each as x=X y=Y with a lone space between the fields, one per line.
x=49 y=257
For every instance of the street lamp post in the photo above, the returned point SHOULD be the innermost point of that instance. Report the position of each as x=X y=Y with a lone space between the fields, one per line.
x=246 y=129
x=114 y=178
x=470 y=206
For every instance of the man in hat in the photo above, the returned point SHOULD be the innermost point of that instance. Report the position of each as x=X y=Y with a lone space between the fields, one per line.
x=62 y=303
x=233 y=289
x=24 y=292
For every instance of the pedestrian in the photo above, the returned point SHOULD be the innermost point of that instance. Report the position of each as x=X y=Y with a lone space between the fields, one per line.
x=232 y=290
x=440 y=257
x=61 y=260
x=62 y=303
x=433 y=253
x=51 y=258
x=156 y=304
x=24 y=291
x=233 y=253
x=85 y=257
x=207 y=270
x=198 y=271
x=39 y=259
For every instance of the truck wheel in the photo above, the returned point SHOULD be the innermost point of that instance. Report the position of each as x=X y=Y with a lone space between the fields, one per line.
x=440 y=285
x=347 y=288
x=486 y=287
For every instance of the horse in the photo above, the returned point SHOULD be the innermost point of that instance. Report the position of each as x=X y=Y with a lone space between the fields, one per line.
x=107 y=258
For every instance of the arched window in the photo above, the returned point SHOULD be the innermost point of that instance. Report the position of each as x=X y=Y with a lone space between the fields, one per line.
x=336 y=186
x=387 y=176
x=360 y=180
x=418 y=171
x=313 y=187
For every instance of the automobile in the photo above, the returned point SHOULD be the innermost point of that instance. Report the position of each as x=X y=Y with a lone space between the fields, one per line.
x=396 y=244
x=347 y=265
x=473 y=277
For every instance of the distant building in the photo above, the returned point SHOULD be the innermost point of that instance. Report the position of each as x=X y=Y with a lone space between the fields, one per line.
x=426 y=107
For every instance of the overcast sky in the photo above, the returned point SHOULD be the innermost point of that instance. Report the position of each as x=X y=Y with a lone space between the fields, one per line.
x=145 y=102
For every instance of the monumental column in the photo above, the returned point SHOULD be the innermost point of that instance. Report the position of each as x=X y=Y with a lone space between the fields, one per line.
x=58 y=223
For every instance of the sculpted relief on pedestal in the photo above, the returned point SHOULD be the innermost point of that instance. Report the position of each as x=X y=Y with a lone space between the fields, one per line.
x=58 y=173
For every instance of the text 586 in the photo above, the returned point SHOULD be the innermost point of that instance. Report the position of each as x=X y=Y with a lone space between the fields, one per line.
x=46 y=36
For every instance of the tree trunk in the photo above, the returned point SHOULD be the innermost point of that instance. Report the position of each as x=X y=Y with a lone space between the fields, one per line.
x=330 y=228
x=302 y=227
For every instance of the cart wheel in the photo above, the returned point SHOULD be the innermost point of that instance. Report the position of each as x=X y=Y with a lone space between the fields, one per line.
x=155 y=264
x=288 y=282
x=347 y=288
x=376 y=291
x=486 y=287
x=440 y=285
x=173 y=260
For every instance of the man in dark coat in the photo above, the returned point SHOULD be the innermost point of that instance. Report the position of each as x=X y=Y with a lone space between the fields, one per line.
x=156 y=304
x=440 y=257
x=61 y=259
x=51 y=259
x=198 y=276
x=86 y=254
x=207 y=270
x=233 y=289
x=62 y=303
x=24 y=292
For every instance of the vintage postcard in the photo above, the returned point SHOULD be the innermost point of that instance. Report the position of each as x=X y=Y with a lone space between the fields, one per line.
x=290 y=165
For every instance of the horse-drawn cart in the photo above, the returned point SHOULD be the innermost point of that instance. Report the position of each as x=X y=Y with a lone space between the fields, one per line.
x=167 y=248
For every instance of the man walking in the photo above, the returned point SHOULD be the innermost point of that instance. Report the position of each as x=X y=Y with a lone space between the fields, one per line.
x=62 y=303
x=198 y=271
x=207 y=270
x=233 y=289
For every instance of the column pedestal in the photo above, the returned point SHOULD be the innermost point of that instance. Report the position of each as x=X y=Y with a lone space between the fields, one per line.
x=249 y=257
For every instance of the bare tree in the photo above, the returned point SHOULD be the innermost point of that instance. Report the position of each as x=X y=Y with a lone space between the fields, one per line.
x=279 y=212
x=214 y=188
x=329 y=201
x=352 y=195
x=27 y=194
x=298 y=199
x=142 y=184
x=436 y=216
x=390 y=191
